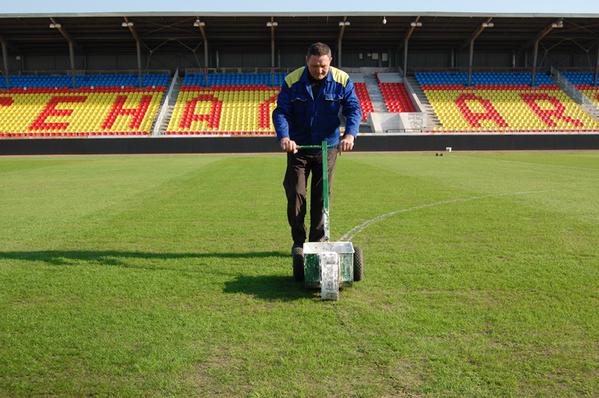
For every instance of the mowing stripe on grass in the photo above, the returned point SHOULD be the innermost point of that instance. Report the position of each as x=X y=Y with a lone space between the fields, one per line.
x=359 y=228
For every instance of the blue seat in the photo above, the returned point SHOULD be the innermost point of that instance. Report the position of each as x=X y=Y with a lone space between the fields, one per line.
x=64 y=81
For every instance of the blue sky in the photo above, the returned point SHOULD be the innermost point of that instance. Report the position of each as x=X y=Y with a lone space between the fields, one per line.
x=265 y=6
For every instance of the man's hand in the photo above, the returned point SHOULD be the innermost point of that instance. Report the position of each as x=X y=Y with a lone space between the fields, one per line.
x=288 y=145
x=346 y=143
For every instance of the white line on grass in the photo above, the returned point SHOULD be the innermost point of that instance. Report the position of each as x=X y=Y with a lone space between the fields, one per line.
x=359 y=228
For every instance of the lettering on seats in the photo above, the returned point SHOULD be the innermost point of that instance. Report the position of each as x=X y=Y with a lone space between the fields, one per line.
x=118 y=109
x=549 y=116
x=264 y=118
x=6 y=101
x=213 y=117
x=51 y=111
x=474 y=118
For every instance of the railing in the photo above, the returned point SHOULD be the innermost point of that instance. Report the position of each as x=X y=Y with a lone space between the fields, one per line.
x=165 y=105
x=568 y=87
x=413 y=96
x=587 y=105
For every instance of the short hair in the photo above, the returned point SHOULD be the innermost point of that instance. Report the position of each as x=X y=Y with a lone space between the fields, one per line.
x=319 y=49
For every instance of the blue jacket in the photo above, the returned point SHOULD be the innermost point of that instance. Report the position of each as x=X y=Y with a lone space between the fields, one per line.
x=308 y=120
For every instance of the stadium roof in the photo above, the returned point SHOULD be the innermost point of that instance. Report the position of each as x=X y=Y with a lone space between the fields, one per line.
x=437 y=32
x=98 y=26
x=514 y=8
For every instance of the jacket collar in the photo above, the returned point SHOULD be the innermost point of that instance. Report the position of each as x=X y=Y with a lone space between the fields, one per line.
x=306 y=76
x=305 y=79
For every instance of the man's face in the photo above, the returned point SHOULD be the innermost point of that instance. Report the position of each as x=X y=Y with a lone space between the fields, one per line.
x=318 y=66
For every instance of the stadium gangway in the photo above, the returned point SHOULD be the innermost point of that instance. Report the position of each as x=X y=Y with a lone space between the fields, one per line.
x=165 y=105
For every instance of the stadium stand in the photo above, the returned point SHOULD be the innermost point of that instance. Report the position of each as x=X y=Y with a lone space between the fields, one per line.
x=99 y=105
x=583 y=81
x=396 y=97
x=394 y=93
x=229 y=104
x=502 y=101
x=364 y=98
x=362 y=93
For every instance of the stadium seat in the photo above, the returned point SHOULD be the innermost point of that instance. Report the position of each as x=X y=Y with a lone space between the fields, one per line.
x=584 y=82
x=233 y=79
x=502 y=101
x=364 y=98
x=396 y=97
x=101 y=105
x=224 y=110
x=226 y=104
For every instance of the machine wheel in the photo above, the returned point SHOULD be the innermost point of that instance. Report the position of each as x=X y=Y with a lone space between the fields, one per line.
x=298 y=264
x=358 y=264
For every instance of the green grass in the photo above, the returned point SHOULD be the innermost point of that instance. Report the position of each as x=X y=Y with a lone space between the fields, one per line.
x=171 y=276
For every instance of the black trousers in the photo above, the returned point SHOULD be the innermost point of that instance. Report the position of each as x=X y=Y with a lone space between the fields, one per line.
x=299 y=167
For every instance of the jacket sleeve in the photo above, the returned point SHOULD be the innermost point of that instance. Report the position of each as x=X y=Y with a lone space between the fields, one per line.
x=351 y=109
x=282 y=113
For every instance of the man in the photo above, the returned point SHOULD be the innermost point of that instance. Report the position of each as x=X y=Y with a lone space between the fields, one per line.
x=307 y=113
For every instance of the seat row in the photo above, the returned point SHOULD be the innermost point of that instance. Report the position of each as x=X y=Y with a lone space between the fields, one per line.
x=96 y=80
x=581 y=78
x=215 y=79
x=482 y=78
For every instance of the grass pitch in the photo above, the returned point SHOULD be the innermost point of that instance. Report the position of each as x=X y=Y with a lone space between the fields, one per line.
x=171 y=276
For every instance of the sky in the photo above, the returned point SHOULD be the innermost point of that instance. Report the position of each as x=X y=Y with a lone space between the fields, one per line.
x=8 y=7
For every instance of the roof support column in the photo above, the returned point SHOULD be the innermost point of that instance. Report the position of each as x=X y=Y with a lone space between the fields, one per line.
x=67 y=37
x=343 y=24
x=595 y=75
x=477 y=32
x=138 y=49
x=535 y=55
x=5 y=60
x=413 y=25
x=201 y=25
x=128 y=24
x=470 y=62
x=272 y=24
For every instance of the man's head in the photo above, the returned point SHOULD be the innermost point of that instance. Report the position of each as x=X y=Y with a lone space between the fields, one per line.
x=318 y=60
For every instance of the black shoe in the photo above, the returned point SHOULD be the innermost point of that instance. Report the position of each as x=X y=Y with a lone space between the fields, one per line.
x=297 y=254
